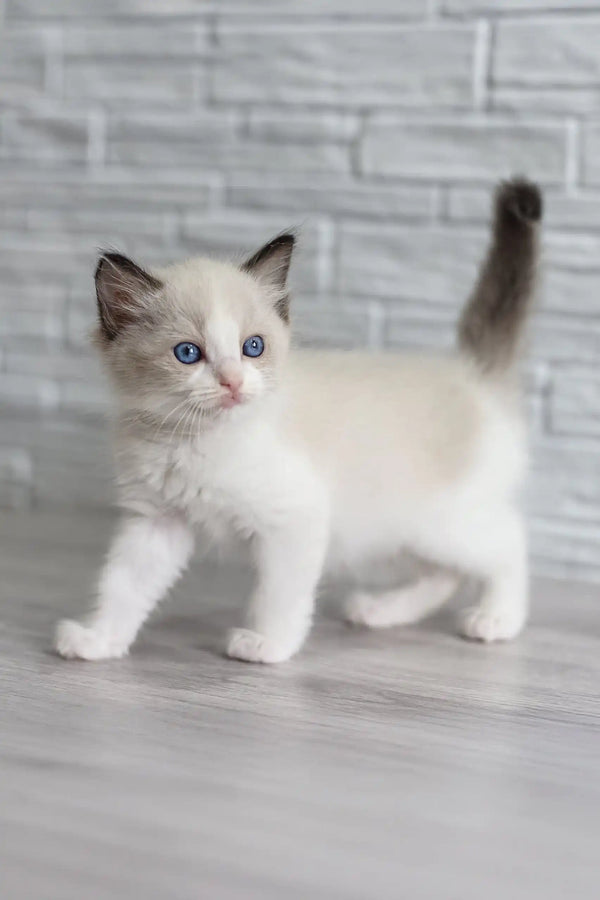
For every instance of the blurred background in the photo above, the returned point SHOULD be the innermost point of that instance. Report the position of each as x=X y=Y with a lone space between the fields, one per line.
x=176 y=127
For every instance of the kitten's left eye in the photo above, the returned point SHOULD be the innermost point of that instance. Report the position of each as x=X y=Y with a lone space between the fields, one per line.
x=253 y=346
x=187 y=352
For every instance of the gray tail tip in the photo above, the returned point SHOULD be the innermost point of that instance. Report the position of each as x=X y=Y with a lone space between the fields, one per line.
x=519 y=199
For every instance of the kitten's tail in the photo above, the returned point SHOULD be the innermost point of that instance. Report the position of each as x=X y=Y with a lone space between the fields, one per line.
x=492 y=323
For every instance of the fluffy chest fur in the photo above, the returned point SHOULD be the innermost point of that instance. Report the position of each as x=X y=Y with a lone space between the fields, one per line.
x=240 y=476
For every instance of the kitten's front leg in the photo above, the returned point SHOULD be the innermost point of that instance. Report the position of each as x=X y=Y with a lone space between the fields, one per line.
x=279 y=616
x=146 y=557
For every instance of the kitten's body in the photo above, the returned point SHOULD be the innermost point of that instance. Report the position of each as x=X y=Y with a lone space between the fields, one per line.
x=345 y=460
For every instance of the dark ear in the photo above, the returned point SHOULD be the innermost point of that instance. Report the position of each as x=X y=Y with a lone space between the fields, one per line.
x=270 y=265
x=121 y=288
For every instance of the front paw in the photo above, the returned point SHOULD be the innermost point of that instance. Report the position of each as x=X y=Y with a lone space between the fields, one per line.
x=250 y=646
x=72 y=640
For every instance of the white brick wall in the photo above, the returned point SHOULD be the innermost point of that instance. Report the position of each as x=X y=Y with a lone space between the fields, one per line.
x=170 y=127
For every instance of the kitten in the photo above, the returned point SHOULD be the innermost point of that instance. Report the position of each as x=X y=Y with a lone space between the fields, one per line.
x=323 y=460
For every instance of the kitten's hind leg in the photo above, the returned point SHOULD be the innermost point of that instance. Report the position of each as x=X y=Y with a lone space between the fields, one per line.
x=402 y=605
x=502 y=610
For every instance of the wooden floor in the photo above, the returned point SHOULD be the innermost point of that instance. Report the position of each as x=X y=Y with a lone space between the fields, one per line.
x=398 y=764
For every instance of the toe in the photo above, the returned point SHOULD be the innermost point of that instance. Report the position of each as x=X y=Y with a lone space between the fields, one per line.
x=490 y=625
x=250 y=646
x=73 y=640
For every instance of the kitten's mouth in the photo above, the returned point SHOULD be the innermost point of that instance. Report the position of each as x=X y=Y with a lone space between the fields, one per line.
x=228 y=401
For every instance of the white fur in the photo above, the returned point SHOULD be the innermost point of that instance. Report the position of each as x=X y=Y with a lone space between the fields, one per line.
x=400 y=606
x=342 y=460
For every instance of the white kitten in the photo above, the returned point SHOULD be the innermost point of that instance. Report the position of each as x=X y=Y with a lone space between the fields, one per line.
x=323 y=460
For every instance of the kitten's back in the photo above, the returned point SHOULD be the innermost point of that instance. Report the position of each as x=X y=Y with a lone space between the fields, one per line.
x=418 y=419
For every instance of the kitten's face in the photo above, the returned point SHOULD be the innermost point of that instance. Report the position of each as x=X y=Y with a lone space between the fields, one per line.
x=195 y=340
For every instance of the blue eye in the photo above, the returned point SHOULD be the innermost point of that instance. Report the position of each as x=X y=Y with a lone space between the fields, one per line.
x=253 y=346
x=187 y=353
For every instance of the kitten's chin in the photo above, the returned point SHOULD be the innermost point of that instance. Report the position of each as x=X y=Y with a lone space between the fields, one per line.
x=230 y=402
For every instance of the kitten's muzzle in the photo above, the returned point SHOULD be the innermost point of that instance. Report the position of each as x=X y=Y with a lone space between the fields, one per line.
x=231 y=378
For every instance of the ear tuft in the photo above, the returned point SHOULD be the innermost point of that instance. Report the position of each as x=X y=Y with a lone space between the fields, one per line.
x=270 y=265
x=121 y=289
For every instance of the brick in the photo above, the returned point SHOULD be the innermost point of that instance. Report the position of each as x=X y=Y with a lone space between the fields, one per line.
x=591 y=153
x=38 y=9
x=31 y=314
x=57 y=365
x=407 y=9
x=26 y=391
x=213 y=128
x=482 y=150
x=552 y=100
x=436 y=264
x=339 y=197
x=89 y=396
x=49 y=260
x=214 y=140
x=560 y=51
x=564 y=481
x=72 y=460
x=303 y=127
x=410 y=326
x=119 y=84
x=115 y=189
x=106 y=227
x=139 y=41
x=348 y=65
x=564 y=338
x=572 y=250
x=319 y=325
x=240 y=153
x=80 y=322
x=52 y=137
x=466 y=204
x=575 y=401
x=567 y=547
x=67 y=260
x=470 y=7
x=236 y=235
x=571 y=291
x=60 y=485
x=572 y=273
x=22 y=64
x=61 y=436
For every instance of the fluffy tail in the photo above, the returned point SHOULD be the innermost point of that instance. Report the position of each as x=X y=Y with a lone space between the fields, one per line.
x=492 y=322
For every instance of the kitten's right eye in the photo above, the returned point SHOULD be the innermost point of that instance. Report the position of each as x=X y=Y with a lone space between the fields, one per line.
x=187 y=353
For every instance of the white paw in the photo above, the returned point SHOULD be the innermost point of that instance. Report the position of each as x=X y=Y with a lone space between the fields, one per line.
x=76 y=641
x=364 y=609
x=491 y=625
x=254 y=647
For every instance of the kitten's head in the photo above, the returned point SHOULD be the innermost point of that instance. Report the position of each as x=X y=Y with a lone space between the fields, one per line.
x=198 y=338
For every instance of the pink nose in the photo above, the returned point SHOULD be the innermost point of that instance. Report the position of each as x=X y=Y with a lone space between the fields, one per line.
x=230 y=377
